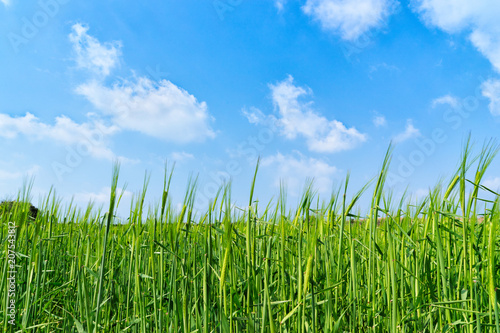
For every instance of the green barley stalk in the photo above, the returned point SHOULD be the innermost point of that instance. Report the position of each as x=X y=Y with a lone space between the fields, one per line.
x=114 y=184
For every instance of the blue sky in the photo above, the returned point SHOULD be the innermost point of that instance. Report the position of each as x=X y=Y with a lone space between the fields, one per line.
x=316 y=88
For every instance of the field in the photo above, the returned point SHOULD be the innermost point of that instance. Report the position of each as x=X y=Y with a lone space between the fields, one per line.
x=324 y=266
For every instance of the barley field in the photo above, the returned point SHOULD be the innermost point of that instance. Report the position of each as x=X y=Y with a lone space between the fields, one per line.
x=431 y=265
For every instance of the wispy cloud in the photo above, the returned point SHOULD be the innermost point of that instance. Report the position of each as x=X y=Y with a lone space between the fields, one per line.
x=410 y=132
x=491 y=90
x=298 y=119
x=5 y=2
x=101 y=197
x=384 y=66
x=90 y=54
x=93 y=136
x=255 y=116
x=446 y=100
x=180 y=156
x=420 y=193
x=379 y=120
x=290 y=168
x=350 y=18
x=12 y=175
x=280 y=4
x=492 y=183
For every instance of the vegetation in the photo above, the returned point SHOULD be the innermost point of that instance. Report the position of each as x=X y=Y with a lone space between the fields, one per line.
x=319 y=267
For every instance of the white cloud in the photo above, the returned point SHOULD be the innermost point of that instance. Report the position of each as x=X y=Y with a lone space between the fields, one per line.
x=384 y=66
x=91 y=136
x=449 y=15
x=446 y=100
x=294 y=171
x=91 y=54
x=181 y=156
x=478 y=18
x=492 y=183
x=299 y=119
x=491 y=90
x=159 y=109
x=12 y=175
x=488 y=43
x=9 y=175
x=350 y=18
x=101 y=197
x=410 y=132
x=421 y=193
x=162 y=110
x=5 y=2
x=379 y=120
x=280 y=4
x=255 y=116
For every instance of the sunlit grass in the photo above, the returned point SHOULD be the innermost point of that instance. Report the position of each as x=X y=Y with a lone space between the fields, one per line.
x=430 y=266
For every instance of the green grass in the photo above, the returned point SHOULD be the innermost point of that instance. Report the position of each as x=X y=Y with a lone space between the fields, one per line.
x=430 y=266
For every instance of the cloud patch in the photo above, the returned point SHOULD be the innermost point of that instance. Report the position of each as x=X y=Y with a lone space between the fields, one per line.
x=155 y=108
x=379 y=120
x=287 y=167
x=255 y=116
x=410 y=132
x=492 y=184
x=349 y=18
x=99 y=58
x=92 y=136
x=13 y=175
x=298 y=119
x=158 y=109
x=449 y=100
x=280 y=4
x=491 y=90
x=181 y=156
x=101 y=197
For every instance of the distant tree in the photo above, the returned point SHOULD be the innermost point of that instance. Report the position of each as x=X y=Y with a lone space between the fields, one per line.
x=8 y=206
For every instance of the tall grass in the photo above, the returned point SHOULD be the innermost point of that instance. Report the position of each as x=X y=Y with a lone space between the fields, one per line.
x=430 y=266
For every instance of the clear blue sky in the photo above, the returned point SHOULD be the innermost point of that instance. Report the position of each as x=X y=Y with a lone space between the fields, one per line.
x=316 y=88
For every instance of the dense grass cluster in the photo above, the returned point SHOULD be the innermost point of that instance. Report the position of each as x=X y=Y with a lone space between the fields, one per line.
x=432 y=266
